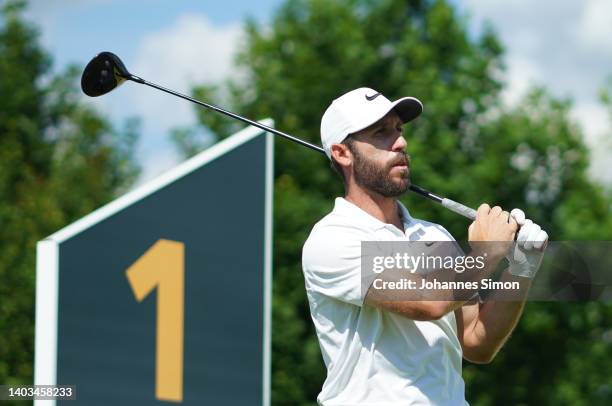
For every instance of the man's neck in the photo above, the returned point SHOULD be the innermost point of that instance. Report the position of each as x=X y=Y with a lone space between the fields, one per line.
x=383 y=208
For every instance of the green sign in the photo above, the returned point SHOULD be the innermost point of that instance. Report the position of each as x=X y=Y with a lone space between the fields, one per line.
x=163 y=295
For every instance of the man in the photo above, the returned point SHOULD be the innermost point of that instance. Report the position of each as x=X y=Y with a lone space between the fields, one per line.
x=390 y=352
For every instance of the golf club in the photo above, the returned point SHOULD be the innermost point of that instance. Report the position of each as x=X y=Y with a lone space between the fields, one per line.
x=106 y=72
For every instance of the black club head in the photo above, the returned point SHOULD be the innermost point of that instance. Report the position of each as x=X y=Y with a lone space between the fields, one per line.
x=103 y=73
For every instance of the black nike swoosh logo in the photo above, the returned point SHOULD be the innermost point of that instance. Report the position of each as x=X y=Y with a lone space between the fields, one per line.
x=370 y=98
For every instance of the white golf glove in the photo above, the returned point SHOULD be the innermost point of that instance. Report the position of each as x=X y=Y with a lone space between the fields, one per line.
x=525 y=258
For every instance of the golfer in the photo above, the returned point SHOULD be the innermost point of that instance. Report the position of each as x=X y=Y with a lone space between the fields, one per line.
x=390 y=352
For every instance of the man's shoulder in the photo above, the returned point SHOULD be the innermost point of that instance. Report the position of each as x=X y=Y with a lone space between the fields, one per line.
x=336 y=228
x=335 y=238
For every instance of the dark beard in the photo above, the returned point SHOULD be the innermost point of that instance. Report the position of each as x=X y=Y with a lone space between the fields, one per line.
x=376 y=178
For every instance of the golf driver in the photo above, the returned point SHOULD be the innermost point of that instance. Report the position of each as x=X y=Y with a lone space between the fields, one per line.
x=105 y=72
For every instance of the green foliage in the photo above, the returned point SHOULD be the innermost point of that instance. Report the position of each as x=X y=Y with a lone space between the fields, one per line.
x=466 y=146
x=59 y=160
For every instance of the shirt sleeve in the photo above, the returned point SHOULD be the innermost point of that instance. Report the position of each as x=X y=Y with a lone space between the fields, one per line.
x=331 y=261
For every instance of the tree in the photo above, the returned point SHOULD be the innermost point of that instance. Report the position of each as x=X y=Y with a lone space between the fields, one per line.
x=59 y=160
x=467 y=146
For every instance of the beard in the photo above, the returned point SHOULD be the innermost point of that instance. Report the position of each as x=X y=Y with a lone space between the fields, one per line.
x=378 y=178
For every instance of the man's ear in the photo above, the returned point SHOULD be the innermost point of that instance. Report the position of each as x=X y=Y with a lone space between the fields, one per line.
x=341 y=154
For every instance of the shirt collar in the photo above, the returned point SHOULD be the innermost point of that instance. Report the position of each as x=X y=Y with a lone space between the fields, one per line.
x=345 y=207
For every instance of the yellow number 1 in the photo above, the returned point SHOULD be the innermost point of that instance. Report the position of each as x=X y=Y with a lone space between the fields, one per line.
x=163 y=267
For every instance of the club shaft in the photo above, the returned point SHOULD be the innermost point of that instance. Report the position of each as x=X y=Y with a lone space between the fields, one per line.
x=448 y=203
x=230 y=114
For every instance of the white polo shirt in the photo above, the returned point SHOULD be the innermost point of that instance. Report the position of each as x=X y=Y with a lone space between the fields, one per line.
x=375 y=357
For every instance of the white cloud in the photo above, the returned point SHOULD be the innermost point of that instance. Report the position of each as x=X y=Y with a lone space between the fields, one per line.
x=520 y=76
x=190 y=51
x=600 y=160
x=193 y=48
x=593 y=117
x=595 y=121
x=564 y=46
x=595 y=25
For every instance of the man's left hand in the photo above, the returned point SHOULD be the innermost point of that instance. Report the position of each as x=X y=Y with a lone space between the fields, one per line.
x=525 y=258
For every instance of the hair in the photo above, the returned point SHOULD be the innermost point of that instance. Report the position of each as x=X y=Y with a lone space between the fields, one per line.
x=348 y=141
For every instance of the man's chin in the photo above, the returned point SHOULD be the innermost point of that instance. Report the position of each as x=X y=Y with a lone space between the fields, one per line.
x=400 y=186
x=404 y=187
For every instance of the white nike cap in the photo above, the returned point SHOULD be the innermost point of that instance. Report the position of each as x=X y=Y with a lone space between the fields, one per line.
x=359 y=109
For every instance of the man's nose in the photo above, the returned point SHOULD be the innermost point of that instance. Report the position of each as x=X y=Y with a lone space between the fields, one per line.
x=399 y=144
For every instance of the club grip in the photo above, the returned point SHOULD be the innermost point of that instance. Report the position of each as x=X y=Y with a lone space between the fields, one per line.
x=459 y=208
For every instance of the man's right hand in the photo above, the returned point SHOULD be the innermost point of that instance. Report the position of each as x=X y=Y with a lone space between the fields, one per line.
x=494 y=225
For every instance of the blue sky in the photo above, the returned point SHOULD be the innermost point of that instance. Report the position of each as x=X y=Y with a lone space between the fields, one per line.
x=162 y=41
x=564 y=46
x=75 y=29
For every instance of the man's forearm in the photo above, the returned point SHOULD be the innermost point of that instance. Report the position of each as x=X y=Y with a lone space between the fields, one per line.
x=497 y=318
x=432 y=303
x=454 y=299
